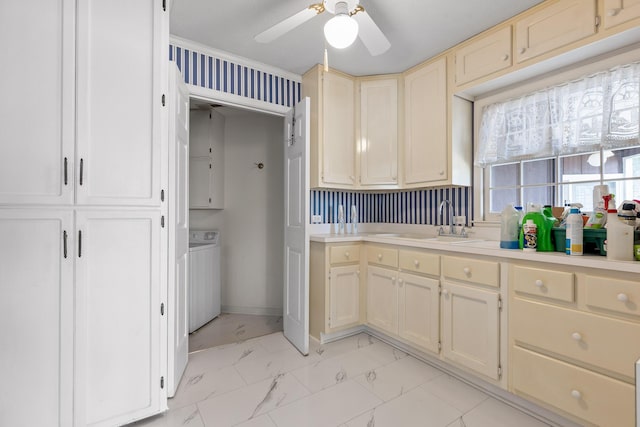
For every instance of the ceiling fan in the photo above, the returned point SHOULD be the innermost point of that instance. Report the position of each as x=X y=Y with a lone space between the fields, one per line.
x=349 y=22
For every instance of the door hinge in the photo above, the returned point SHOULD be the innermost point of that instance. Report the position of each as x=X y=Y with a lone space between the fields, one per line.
x=164 y=5
x=499 y=303
x=440 y=289
x=163 y=99
x=499 y=371
x=162 y=221
x=597 y=21
x=162 y=309
x=209 y=165
x=161 y=382
x=209 y=199
x=162 y=195
x=439 y=346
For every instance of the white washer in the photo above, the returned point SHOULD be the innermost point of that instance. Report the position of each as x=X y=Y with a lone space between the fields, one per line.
x=204 y=277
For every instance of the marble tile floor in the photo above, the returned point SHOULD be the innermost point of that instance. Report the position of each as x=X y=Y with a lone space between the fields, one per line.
x=229 y=328
x=353 y=382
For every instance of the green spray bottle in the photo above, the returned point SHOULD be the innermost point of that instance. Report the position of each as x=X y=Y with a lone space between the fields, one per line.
x=544 y=225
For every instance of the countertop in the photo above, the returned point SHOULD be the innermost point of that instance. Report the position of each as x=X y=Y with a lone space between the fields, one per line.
x=474 y=246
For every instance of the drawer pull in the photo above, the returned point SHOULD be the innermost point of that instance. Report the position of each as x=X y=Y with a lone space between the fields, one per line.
x=576 y=394
x=505 y=57
x=576 y=336
x=623 y=297
x=523 y=50
x=445 y=292
x=466 y=270
x=346 y=254
x=416 y=263
x=613 y=12
x=400 y=281
x=539 y=283
x=379 y=257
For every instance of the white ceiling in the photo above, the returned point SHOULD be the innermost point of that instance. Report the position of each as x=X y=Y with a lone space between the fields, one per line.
x=417 y=30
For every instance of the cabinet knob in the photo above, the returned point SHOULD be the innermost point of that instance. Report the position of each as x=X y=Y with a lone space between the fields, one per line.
x=416 y=263
x=400 y=281
x=466 y=271
x=623 y=297
x=393 y=280
x=346 y=254
x=505 y=57
x=523 y=49
x=445 y=292
x=379 y=257
x=358 y=272
x=613 y=12
x=539 y=283
x=352 y=178
x=441 y=173
x=576 y=394
x=576 y=336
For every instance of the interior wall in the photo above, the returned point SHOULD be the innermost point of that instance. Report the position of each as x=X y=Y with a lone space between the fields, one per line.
x=251 y=223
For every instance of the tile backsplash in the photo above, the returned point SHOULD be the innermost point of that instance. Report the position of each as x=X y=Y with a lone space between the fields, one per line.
x=401 y=207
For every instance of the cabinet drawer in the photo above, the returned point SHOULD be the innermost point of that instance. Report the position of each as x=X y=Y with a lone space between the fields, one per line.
x=471 y=270
x=544 y=283
x=420 y=262
x=602 y=342
x=587 y=395
x=344 y=254
x=382 y=256
x=621 y=296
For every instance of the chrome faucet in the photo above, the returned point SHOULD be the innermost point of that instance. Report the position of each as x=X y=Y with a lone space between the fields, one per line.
x=452 y=230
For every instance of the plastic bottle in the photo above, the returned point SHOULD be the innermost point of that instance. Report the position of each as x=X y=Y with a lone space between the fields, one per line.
x=509 y=228
x=574 y=236
x=543 y=229
x=530 y=236
x=619 y=243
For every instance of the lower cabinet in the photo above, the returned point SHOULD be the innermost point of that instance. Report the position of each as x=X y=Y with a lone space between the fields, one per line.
x=419 y=311
x=81 y=291
x=574 y=341
x=344 y=296
x=382 y=299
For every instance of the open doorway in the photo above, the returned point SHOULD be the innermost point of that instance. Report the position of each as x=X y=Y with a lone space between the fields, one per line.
x=249 y=217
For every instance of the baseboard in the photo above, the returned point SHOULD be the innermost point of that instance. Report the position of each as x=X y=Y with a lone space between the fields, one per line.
x=325 y=338
x=262 y=311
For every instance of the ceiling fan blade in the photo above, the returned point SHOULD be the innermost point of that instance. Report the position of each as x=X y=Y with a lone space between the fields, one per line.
x=285 y=26
x=370 y=34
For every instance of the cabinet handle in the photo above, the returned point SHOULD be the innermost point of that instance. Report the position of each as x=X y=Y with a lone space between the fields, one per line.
x=400 y=281
x=576 y=394
x=539 y=283
x=623 y=297
x=523 y=50
x=65 y=171
x=441 y=173
x=379 y=257
x=346 y=254
x=576 y=336
x=358 y=272
x=466 y=270
x=393 y=280
x=352 y=178
x=81 y=169
x=64 y=243
x=613 y=12
x=505 y=57
x=445 y=292
x=416 y=263
x=79 y=243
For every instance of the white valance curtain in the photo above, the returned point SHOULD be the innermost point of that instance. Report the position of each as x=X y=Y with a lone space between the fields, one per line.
x=598 y=111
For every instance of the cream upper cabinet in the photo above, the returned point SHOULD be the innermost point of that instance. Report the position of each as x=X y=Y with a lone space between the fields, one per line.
x=332 y=127
x=382 y=298
x=483 y=56
x=425 y=125
x=378 y=132
x=553 y=27
x=617 y=12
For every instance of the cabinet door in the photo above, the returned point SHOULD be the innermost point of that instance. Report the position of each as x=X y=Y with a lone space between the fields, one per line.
x=118 y=317
x=37 y=110
x=619 y=11
x=338 y=136
x=554 y=26
x=484 y=56
x=379 y=132
x=382 y=299
x=470 y=328
x=200 y=132
x=419 y=311
x=121 y=121
x=200 y=182
x=425 y=150
x=344 y=296
x=36 y=311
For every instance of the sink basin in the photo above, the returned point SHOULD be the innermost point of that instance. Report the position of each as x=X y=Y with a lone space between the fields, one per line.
x=402 y=235
x=454 y=239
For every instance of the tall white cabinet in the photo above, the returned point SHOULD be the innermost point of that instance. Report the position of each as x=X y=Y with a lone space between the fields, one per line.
x=82 y=273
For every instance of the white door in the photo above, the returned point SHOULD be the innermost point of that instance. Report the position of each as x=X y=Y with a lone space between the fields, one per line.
x=119 y=347
x=36 y=314
x=296 y=232
x=178 y=220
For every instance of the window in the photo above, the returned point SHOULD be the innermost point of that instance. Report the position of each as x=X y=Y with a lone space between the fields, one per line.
x=552 y=145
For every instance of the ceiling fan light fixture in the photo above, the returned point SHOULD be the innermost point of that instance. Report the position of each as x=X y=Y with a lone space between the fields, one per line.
x=341 y=30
